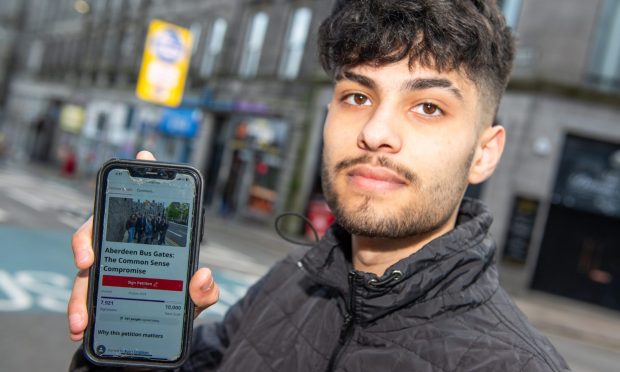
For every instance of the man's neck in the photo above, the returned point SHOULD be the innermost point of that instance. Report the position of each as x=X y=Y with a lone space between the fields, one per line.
x=375 y=255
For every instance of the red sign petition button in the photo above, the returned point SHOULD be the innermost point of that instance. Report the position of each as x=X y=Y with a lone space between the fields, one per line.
x=143 y=283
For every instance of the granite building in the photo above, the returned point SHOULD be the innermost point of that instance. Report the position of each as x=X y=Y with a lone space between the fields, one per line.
x=256 y=98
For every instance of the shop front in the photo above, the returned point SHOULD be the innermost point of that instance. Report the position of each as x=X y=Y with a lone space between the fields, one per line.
x=107 y=133
x=250 y=178
x=44 y=130
x=71 y=122
x=580 y=251
x=175 y=134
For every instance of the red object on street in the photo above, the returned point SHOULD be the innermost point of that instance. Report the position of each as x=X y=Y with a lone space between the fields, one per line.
x=321 y=217
x=69 y=165
x=143 y=283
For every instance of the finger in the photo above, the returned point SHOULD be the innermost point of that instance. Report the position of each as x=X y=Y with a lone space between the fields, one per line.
x=81 y=244
x=76 y=309
x=145 y=155
x=203 y=290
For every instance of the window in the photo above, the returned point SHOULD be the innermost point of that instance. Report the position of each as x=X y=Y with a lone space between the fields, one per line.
x=196 y=31
x=605 y=64
x=115 y=8
x=511 y=10
x=295 y=43
x=253 y=45
x=213 y=48
x=128 y=47
x=35 y=56
x=98 y=9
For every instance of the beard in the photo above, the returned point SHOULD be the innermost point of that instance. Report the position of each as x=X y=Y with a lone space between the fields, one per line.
x=428 y=207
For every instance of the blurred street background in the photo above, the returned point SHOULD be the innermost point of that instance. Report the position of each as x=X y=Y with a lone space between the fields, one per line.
x=250 y=117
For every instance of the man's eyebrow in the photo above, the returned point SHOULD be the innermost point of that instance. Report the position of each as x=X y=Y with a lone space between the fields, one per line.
x=420 y=84
x=360 y=79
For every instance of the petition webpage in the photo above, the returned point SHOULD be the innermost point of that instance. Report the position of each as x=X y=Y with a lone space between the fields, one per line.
x=144 y=258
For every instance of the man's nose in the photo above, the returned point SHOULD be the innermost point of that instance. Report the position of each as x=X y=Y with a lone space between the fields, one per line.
x=380 y=132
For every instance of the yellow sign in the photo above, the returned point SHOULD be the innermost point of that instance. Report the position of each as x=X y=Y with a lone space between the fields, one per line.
x=72 y=118
x=165 y=62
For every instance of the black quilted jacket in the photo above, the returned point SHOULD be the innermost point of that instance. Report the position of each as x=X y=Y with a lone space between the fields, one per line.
x=440 y=309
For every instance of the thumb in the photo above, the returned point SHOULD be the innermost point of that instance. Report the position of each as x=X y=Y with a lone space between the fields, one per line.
x=203 y=290
x=145 y=155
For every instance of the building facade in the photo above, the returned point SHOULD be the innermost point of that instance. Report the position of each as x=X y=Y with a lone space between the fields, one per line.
x=257 y=99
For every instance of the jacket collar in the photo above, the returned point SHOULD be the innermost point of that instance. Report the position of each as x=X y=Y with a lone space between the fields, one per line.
x=452 y=271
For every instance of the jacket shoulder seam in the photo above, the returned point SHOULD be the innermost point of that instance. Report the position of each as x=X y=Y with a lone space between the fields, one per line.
x=535 y=348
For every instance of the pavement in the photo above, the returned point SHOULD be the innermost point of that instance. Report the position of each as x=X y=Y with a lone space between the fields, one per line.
x=260 y=246
x=572 y=319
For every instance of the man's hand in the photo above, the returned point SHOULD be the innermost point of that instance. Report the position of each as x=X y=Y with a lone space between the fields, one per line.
x=202 y=288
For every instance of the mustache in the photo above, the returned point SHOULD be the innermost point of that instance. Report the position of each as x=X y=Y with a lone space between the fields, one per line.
x=383 y=161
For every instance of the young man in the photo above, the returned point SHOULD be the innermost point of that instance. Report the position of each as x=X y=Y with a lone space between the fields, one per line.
x=405 y=279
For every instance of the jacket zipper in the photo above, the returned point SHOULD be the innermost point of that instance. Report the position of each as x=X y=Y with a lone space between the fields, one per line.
x=346 y=330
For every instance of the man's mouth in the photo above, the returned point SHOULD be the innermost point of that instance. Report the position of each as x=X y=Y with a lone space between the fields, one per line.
x=375 y=178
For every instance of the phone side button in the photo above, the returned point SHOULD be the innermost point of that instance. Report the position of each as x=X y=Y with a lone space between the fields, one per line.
x=202 y=228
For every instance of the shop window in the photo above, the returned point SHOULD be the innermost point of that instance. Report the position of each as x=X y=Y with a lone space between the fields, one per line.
x=255 y=157
x=253 y=45
x=213 y=49
x=604 y=69
x=511 y=10
x=579 y=256
x=295 y=43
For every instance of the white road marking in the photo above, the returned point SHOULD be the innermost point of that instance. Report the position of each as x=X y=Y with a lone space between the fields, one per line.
x=16 y=298
x=28 y=199
x=52 y=289
x=71 y=207
x=23 y=289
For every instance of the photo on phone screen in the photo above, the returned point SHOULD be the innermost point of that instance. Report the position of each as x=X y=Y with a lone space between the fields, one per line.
x=147 y=222
x=141 y=286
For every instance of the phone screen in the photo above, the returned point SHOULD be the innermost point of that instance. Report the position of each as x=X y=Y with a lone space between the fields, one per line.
x=143 y=266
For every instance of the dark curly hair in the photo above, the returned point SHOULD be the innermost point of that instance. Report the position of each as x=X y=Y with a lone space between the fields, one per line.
x=465 y=35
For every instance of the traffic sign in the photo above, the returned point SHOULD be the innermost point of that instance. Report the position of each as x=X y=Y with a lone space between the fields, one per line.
x=165 y=62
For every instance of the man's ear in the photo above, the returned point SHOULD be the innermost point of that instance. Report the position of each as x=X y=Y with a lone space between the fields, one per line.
x=488 y=152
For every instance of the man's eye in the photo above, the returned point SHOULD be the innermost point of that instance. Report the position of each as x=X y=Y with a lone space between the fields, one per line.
x=428 y=109
x=357 y=99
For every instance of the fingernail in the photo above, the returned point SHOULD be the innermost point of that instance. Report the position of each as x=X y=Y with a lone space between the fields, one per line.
x=75 y=321
x=207 y=287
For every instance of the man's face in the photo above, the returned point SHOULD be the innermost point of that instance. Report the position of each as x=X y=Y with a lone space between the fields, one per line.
x=398 y=147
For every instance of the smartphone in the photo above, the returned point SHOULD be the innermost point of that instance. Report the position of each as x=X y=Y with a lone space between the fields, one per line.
x=148 y=224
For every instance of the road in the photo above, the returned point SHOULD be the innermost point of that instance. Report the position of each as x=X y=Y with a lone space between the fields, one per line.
x=38 y=214
x=176 y=233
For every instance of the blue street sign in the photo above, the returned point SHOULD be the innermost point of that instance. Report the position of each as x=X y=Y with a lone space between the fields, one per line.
x=181 y=122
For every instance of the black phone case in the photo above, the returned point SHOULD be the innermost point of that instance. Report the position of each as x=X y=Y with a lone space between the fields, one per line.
x=197 y=234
